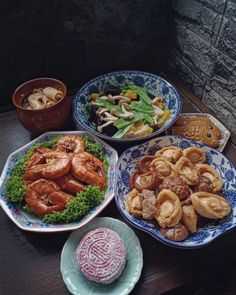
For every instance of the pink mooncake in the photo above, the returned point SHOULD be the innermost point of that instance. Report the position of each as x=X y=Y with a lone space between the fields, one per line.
x=101 y=255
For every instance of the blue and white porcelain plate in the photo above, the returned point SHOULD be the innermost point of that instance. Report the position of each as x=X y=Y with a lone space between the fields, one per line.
x=150 y=82
x=205 y=235
x=78 y=284
x=31 y=223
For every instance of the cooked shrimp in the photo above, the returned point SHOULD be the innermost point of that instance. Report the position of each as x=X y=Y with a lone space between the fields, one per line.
x=69 y=184
x=44 y=197
x=37 y=157
x=70 y=144
x=56 y=165
x=87 y=168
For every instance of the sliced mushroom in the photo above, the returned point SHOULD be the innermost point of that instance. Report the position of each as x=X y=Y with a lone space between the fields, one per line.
x=99 y=112
x=126 y=114
x=109 y=117
x=111 y=99
x=157 y=99
x=118 y=97
x=148 y=180
x=100 y=127
x=157 y=110
x=177 y=185
x=144 y=163
x=204 y=185
x=209 y=172
x=177 y=233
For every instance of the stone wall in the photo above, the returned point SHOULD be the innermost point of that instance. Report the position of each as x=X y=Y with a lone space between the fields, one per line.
x=203 y=53
x=77 y=40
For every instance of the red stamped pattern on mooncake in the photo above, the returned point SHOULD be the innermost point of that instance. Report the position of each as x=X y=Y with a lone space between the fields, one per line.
x=101 y=255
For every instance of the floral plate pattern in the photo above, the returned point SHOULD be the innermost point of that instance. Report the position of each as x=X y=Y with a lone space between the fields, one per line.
x=78 y=284
x=31 y=223
x=152 y=83
x=205 y=235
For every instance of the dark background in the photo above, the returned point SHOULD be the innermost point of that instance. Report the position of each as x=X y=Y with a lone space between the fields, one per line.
x=76 y=40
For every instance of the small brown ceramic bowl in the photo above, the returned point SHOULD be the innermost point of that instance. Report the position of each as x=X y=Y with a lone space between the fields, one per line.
x=40 y=121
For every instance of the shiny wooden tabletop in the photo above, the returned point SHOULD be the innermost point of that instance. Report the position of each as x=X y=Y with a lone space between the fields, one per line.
x=30 y=262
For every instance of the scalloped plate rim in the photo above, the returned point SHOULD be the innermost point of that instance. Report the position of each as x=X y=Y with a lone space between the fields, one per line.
x=120 y=223
x=77 y=119
x=222 y=128
x=51 y=229
x=165 y=241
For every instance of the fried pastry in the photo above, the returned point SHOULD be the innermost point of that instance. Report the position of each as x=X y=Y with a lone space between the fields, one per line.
x=169 y=210
x=187 y=171
x=144 y=163
x=163 y=168
x=189 y=218
x=177 y=185
x=209 y=172
x=149 y=180
x=198 y=128
x=177 y=233
x=171 y=153
x=195 y=155
x=210 y=205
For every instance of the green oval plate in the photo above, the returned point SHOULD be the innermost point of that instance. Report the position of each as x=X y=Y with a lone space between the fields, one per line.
x=78 y=284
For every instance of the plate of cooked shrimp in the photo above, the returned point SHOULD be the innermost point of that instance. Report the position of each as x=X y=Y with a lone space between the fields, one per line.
x=58 y=182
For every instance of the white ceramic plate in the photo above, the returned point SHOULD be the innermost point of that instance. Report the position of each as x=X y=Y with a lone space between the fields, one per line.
x=225 y=134
x=31 y=223
x=78 y=284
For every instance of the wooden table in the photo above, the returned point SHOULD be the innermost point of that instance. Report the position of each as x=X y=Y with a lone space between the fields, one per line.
x=30 y=262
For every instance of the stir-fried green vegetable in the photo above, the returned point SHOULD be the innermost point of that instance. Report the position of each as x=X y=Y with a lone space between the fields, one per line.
x=128 y=111
x=121 y=123
x=140 y=91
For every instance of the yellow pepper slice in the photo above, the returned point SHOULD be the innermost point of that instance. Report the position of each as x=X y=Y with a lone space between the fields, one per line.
x=130 y=94
x=94 y=96
x=137 y=126
x=161 y=105
x=165 y=116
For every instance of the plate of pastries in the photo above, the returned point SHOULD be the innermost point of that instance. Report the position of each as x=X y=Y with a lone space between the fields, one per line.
x=179 y=191
x=203 y=128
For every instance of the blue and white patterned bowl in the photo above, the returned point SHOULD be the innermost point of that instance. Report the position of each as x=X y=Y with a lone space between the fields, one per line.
x=205 y=235
x=152 y=83
x=31 y=223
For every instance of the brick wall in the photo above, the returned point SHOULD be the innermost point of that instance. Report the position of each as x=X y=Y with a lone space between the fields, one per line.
x=203 y=53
